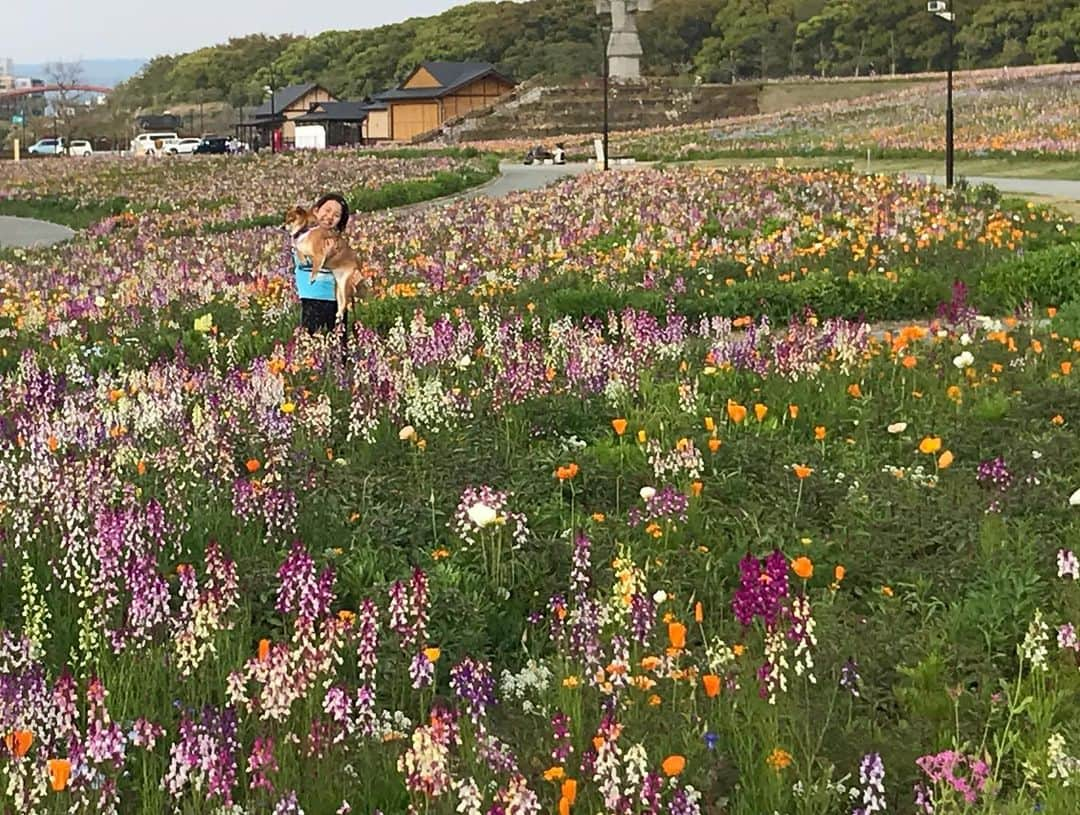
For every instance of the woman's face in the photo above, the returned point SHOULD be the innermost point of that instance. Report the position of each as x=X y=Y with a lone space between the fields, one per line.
x=329 y=214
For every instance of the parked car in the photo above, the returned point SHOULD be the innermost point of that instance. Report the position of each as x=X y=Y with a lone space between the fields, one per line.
x=149 y=144
x=179 y=147
x=80 y=147
x=538 y=155
x=47 y=147
x=213 y=145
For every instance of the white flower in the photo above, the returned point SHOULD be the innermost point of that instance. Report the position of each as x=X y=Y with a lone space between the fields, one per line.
x=964 y=360
x=1074 y=499
x=647 y=493
x=481 y=514
x=965 y=339
x=1035 y=454
x=1068 y=565
x=659 y=597
x=897 y=427
x=99 y=301
x=464 y=362
x=407 y=433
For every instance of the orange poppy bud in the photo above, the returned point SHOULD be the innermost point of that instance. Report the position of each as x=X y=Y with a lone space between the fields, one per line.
x=569 y=790
x=59 y=772
x=252 y=465
x=677 y=635
x=699 y=612
x=711 y=683
x=793 y=411
x=140 y=468
x=838 y=573
x=1066 y=368
x=673 y=765
x=803 y=567
x=619 y=426
x=264 y=649
x=736 y=412
x=641 y=437
x=760 y=411
x=710 y=425
x=564 y=806
x=695 y=488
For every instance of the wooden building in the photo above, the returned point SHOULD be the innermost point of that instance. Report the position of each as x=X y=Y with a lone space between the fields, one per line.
x=274 y=118
x=437 y=91
x=344 y=123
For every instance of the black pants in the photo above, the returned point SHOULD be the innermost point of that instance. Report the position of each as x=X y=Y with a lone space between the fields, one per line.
x=318 y=315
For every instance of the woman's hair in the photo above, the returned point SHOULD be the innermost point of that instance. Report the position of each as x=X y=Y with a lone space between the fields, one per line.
x=333 y=196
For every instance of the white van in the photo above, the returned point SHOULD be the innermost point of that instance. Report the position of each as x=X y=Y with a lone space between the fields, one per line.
x=149 y=144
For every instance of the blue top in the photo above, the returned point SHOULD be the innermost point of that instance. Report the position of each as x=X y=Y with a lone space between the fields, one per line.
x=321 y=289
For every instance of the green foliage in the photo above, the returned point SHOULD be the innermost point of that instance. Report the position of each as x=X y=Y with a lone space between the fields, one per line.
x=63 y=211
x=717 y=39
x=1045 y=277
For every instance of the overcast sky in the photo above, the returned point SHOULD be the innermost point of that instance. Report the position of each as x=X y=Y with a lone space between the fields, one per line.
x=50 y=30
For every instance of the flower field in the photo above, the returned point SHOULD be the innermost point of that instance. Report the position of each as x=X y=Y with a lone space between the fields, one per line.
x=1035 y=118
x=582 y=515
x=1027 y=112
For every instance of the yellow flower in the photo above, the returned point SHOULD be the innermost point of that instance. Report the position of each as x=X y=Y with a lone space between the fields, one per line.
x=432 y=654
x=945 y=460
x=571 y=682
x=287 y=407
x=554 y=774
x=930 y=445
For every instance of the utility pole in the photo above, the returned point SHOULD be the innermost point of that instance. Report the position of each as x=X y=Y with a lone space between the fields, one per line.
x=607 y=81
x=273 y=113
x=940 y=8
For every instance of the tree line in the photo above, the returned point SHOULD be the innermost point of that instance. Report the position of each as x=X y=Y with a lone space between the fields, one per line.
x=714 y=40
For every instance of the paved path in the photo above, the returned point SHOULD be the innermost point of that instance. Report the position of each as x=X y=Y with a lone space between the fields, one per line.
x=516 y=177
x=1035 y=186
x=26 y=232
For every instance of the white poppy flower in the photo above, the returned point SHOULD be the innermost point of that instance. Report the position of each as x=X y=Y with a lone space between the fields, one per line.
x=647 y=493
x=897 y=427
x=481 y=514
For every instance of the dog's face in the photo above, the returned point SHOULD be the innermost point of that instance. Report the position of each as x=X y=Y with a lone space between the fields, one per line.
x=298 y=218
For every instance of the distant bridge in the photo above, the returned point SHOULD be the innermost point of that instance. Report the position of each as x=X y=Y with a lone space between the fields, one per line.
x=17 y=92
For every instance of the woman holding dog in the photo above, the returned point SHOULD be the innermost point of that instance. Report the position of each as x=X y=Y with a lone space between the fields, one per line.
x=318 y=305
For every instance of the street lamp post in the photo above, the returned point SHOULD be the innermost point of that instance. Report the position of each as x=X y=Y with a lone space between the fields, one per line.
x=940 y=9
x=606 y=32
x=273 y=113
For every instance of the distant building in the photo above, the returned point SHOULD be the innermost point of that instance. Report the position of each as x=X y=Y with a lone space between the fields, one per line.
x=334 y=124
x=437 y=91
x=278 y=115
x=159 y=123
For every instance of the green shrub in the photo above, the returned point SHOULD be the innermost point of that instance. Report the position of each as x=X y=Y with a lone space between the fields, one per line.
x=1046 y=277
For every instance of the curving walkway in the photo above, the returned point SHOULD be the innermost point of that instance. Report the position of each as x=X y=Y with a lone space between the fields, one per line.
x=27 y=232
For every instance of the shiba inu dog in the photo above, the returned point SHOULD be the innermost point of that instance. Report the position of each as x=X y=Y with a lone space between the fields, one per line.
x=327 y=249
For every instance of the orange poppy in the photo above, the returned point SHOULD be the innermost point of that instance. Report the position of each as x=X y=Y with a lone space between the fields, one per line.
x=432 y=654
x=793 y=411
x=554 y=774
x=736 y=412
x=252 y=465
x=909 y=361
x=54 y=442
x=760 y=411
x=854 y=391
x=564 y=806
x=695 y=488
x=838 y=573
x=264 y=649
x=930 y=445
x=819 y=433
x=140 y=468
x=1066 y=367
x=673 y=765
x=18 y=742
x=710 y=425
x=619 y=426
x=569 y=790
x=945 y=460
x=711 y=683
x=803 y=567
x=714 y=445
x=677 y=635
x=59 y=772
x=802 y=471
